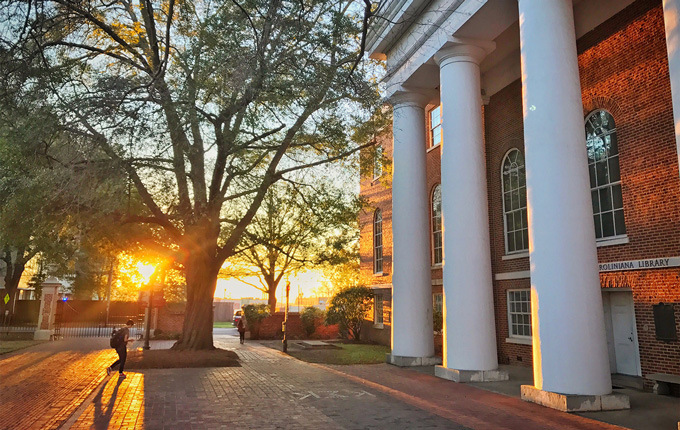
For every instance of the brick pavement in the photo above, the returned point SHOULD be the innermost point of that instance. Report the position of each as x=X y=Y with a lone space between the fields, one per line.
x=274 y=391
x=42 y=386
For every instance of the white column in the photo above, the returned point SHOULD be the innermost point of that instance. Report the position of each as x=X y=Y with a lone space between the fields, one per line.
x=671 y=18
x=412 y=336
x=469 y=328
x=569 y=343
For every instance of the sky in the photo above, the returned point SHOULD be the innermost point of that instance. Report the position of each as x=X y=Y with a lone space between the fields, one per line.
x=302 y=283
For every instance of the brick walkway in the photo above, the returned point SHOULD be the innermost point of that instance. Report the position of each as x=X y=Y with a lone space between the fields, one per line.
x=273 y=391
x=42 y=386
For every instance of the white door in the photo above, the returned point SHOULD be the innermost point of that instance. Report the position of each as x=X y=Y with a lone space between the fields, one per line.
x=625 y=334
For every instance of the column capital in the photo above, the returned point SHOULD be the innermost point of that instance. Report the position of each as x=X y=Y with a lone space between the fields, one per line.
x=463 y=50
x=409 y=97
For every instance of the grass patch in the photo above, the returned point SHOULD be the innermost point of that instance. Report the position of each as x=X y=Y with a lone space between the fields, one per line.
x=7 y=346
x=346 y=353
x=171 y=359
x=223 y=324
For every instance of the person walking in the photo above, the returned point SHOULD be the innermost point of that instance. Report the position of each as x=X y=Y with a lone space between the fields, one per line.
x=241 y=330
x=119 y=341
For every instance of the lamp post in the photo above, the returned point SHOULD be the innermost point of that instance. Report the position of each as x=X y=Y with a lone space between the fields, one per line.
x=147 y=329
x=285 y=320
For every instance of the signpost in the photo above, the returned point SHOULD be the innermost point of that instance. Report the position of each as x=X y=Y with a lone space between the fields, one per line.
x=153 y=298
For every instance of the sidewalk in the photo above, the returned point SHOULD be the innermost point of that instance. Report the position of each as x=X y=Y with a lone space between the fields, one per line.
x=274 y=391
x=40 y=387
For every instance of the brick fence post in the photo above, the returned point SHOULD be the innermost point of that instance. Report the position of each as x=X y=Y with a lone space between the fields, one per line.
x=48 y=309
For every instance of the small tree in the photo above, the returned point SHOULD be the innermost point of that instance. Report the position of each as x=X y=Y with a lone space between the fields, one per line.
x=348 y=309
x=309 y=316
x=254 y=315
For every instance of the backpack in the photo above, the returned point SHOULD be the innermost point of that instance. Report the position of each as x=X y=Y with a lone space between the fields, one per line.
x=117 y=338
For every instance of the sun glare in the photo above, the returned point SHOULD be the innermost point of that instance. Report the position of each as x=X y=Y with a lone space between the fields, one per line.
x=145 y=270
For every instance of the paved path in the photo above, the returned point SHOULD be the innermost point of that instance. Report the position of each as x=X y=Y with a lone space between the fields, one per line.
x=42 y=386
x=275 y=391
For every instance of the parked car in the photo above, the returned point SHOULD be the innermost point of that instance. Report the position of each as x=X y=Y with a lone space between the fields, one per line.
x=238 y=314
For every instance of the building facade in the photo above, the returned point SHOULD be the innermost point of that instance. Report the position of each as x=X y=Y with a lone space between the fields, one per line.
x=534 y=194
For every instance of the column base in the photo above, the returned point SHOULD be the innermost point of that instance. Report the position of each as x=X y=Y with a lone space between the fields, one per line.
x=470 y=375
x=42 y=335
x=575 y=402
x=401 y=361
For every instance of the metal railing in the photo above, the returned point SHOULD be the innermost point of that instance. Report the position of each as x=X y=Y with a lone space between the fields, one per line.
x=98 y=329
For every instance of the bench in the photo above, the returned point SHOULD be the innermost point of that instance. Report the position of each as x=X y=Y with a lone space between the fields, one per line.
x=662 y=382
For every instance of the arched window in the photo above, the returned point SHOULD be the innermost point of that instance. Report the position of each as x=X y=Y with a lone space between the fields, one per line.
x=377 y=242
x=605 y=176
x=515 y=202
x=437 y=225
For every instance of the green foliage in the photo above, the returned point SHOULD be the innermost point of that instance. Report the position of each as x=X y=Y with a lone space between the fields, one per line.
x=348 y=308
x=310 y=316
x=255 y=313
x=437 y=321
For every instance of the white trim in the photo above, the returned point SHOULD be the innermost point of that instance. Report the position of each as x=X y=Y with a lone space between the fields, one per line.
x=516 y=255
x=505 y=223
x=519 y=340
x=506 y=276
x=379 y=326
x=380 y=286
x=613 y=240
x=436 y=266
x=437 y=282
x=511 y=335
x=433 y=147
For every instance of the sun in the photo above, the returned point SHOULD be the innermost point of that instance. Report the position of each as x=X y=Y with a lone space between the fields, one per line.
x=145 y=270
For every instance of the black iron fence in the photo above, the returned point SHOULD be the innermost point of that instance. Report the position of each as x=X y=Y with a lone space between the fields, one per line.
x=10 y=329
x=98 y=328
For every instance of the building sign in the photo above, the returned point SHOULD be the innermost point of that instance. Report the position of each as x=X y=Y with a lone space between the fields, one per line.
x=650 y=263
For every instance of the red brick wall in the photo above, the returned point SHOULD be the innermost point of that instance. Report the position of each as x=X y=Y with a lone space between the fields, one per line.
x=624 y=69
x=271 y=328
x=170 y=318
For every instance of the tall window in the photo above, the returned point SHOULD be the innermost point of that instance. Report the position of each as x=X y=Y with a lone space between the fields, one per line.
x=605 y=176
x=378 y=308
x=438 y=302
x=519 y=313
x=437 y=225
x=515 y=202
x=377 y=242
x=436 y=126
x=378 y=162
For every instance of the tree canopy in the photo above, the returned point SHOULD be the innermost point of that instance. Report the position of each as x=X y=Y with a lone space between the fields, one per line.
x=203 y=105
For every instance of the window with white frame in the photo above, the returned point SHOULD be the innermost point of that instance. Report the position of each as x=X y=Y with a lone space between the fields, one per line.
x=515 y=202
x=438 y=302
x=519 y=313
x=437 y=254
x=378 y=309
x=378 y=162
x=436 y=126
x=377 y=242
x=605 y=176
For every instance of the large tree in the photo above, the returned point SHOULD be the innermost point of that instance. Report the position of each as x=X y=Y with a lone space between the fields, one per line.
x=205 y=105
x=299 y=226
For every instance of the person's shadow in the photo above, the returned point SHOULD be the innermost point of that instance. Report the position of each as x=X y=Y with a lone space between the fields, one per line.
x=103 y=417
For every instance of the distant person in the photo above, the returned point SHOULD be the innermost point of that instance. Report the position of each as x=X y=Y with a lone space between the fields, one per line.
x=119 y=341
x=241 y=330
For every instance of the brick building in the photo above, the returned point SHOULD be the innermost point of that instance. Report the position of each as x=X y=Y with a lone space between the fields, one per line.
x=543 y=224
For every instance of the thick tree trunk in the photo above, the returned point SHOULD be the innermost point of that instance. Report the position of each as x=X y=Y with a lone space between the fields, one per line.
x=272 y=299
x=201 y=276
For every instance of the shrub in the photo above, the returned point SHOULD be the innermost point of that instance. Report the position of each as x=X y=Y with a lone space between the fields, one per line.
x=254 y=314
x=348 y=309
x=309 y=316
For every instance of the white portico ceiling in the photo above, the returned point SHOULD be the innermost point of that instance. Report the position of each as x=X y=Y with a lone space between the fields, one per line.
x=412 y=32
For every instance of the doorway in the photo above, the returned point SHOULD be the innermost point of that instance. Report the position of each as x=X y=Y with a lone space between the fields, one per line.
x=622 y=340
